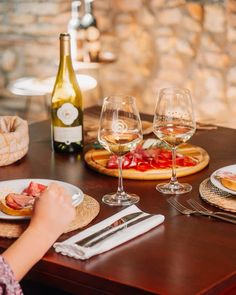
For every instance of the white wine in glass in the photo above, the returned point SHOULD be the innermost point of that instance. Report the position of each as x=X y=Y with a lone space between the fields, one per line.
x=174 y=123
x=120 y=131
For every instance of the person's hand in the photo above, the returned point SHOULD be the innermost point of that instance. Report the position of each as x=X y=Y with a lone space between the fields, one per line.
x=53 y=211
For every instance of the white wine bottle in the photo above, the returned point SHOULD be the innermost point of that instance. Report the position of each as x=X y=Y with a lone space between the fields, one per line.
x=66 y=106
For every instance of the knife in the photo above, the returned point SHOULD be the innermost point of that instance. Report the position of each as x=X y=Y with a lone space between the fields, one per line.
x=126 y=225
x=116 y=223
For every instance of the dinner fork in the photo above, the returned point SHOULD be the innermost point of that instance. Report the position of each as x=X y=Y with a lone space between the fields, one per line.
x=187 y=211
x=197 y=206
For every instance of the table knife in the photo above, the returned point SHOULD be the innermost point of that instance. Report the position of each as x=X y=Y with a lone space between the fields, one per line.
x=126 y=225
x=116 y=223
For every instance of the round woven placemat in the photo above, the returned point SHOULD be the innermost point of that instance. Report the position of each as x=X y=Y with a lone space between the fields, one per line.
x=217 y=197
x=85 y=213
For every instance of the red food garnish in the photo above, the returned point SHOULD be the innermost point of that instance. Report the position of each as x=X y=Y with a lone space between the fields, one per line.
x=34 y=189
x=147 y=159
x=143 y=166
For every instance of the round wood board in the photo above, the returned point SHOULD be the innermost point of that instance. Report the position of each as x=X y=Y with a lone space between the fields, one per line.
x=85 y=213
x=97 y=159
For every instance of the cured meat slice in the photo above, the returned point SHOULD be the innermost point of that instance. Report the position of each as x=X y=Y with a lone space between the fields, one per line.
x=26 y=198
x=34 y=189
x=226 y=174
x=19 y=201
x=153 y=158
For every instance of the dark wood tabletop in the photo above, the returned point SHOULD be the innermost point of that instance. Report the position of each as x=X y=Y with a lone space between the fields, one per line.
x=184 y=255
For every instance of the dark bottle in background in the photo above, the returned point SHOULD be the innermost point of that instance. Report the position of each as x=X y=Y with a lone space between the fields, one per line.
x=76 y=32
x=66 y=105
x=92 y=34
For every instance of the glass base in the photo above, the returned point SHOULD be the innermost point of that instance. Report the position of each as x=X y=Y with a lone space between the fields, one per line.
x=114 y=199
x=176 y=188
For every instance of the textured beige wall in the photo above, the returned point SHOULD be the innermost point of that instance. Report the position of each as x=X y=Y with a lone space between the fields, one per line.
x=157 y=43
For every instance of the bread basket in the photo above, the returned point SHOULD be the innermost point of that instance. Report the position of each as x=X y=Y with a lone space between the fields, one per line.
x=14 y=139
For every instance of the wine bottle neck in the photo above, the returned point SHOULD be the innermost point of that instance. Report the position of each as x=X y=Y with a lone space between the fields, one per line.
x=75 y=6
x=64 y=48
x=65 y=55
x=88 y=6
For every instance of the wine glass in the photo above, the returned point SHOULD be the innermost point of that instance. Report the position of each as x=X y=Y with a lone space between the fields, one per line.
x=120 y=131
x=174 y=123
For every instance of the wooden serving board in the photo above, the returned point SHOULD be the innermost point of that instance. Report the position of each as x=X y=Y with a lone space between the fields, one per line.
x=97 y=160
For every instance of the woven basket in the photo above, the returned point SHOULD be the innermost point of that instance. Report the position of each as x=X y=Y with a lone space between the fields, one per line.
x=14 y=139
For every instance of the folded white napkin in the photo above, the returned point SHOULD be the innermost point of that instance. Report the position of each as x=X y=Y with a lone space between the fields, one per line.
x=70 y=248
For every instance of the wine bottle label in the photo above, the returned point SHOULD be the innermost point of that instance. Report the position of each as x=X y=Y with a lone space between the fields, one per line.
x=67 y=135
x=67 y=113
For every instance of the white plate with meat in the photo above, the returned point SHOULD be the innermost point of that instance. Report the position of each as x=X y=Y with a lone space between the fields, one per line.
x=17 y=196
x=225 y=179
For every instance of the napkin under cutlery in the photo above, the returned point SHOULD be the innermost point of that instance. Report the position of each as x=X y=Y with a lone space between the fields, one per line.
x=109 y=239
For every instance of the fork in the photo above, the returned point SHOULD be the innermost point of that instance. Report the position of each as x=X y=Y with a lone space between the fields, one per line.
x=197 y=206
x=187 y=211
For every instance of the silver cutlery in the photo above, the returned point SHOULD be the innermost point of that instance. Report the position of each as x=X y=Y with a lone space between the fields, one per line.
x=124 y=226
x=118 y=222
x=197 y=206
x=187 y=211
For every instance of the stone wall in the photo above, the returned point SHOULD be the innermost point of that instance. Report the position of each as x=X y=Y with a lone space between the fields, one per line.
x=157 y=42
x=28 y=37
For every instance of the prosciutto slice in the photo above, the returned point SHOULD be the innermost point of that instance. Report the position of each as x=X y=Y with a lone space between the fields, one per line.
x=153 y=158
x=27 y=197
x=34 y=189
x=226 y=174
x=19 y=201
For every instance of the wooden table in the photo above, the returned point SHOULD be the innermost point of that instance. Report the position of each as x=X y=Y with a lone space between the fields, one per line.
x=184 y=255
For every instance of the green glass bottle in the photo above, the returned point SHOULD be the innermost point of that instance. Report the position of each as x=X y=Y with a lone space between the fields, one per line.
x=77 y=33
x=66 y=105
x=92 y=34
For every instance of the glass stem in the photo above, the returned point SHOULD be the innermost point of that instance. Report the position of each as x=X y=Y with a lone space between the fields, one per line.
x=173 y=179
x=120 y=191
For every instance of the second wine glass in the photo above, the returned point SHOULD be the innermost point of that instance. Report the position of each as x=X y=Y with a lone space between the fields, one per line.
x=120 y=130
x=174 y=123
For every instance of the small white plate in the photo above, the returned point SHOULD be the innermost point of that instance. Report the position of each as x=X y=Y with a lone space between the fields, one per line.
x=216 y=182
x=18 y=185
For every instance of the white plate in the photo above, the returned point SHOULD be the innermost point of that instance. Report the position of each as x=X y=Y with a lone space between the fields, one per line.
x=216 y=182
x=18 y=185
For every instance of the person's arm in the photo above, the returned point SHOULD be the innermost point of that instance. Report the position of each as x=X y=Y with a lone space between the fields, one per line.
x=53 y=211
